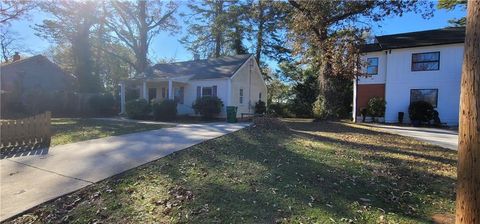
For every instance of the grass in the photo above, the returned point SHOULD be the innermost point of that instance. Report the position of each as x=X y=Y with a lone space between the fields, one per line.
x=68 y=130
x=322 y=172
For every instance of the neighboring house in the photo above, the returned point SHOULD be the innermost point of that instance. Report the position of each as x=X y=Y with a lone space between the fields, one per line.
x=34 y=84
x=236 y=80
x=35 y=73
x=408 y=67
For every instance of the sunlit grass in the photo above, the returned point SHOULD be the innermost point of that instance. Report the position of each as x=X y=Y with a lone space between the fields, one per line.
x=69 y=130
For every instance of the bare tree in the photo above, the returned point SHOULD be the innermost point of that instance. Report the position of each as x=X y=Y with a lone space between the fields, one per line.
x=6 y=43
x=14 y=9
x=468 y=177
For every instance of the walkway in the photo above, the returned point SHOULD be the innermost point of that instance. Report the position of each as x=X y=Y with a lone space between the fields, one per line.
x=27 y=181
x=441 y=137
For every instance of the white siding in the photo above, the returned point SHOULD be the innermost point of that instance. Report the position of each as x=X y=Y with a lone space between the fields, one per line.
x=191 y=94
x=400 y=79
x=248 y=78
x=382 y=68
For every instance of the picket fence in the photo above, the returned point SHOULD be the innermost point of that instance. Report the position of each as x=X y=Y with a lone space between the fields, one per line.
x=27 y=131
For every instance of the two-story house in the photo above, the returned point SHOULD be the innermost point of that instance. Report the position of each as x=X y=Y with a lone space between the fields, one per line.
x=408 y=67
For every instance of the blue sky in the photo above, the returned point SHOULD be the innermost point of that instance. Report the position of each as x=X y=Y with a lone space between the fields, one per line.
x=166 y=46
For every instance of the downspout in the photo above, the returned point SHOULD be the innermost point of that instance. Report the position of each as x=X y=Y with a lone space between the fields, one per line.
x=250 y=87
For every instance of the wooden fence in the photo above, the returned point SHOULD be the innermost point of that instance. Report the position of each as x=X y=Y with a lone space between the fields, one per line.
x=28 y=131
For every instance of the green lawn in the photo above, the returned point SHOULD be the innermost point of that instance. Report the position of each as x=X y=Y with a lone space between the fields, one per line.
x=325 y=172
x=68 y=130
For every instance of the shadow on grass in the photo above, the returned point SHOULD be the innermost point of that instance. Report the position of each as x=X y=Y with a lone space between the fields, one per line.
x=259 y=178
x=267 y=176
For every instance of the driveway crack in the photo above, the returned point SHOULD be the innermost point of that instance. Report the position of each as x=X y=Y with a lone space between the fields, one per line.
x=49 y=171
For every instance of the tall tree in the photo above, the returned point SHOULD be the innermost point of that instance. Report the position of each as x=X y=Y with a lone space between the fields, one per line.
x=325 y=31
x=72 y=24
x=14 y=9
x=450 y=5
x=217 y=27
x=134 y=24
x=468 y=176
x=269 y=19
x=207 y=28
x=237 y=27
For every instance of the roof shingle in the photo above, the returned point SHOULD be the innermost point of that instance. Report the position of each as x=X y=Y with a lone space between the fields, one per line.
x=213 y=68
x=449 y=35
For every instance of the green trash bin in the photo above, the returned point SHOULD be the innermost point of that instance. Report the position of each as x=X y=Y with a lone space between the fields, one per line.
x=231 y=114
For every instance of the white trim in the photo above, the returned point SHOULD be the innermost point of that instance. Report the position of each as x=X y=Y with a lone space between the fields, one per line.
x=241 y=67
x=229 y=92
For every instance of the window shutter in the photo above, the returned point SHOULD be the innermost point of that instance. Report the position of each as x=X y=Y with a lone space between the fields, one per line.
x=199 y=91
x=214 y=90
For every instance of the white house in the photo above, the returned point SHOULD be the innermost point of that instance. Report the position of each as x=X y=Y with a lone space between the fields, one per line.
x=236 y=80
x=408 y=67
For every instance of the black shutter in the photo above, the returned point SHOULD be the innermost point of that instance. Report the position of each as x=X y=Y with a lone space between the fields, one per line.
x=214 y=90
x=199 y=91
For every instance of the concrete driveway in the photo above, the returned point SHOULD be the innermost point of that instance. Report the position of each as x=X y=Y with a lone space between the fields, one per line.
x=29 y=180
x=441 y=137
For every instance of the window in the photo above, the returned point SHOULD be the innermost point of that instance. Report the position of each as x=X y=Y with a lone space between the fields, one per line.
x=207 y=91
x=241 y=96
x=427 y=95
x=426 y=61
x=260 y=96
x=372 y=67
x=152 y=93
x=178 y=94
x=164 y=92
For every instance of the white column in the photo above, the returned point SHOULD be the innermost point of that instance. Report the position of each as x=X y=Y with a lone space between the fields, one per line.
x=145 y=90
x=354 y=111
x=170 y=89
x=122 y=97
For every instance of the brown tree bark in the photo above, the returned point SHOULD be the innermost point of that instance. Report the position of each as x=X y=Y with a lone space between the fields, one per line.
x=468 y=176
x=261 y=21
x=218 y=32
x=142 y=51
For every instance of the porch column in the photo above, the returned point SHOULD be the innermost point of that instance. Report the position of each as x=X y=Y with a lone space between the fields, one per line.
x=145 y=90
x=122 y=97
x=170 y=89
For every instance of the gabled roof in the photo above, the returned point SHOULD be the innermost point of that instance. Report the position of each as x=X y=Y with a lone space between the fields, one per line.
x=449 y=35
x=36 y=71
x=213 y=68
x=37 y=64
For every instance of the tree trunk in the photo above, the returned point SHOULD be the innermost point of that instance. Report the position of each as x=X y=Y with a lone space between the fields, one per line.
x=142 y=51
x=81 y=51
x=261 y=21
x=219 y=32
x=468 y=176
x=327 y=94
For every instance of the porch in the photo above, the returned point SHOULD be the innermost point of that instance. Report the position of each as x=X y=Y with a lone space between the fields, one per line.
x=152 y=89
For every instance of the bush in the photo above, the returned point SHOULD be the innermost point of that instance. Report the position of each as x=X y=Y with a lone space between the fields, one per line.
x=318 y=109
x=102 y=104
x=277 y=109
x=260 y=107
x=137 y=109
x=208 y=106
x=165 y=110
x=420 y=111
x=376 y=107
